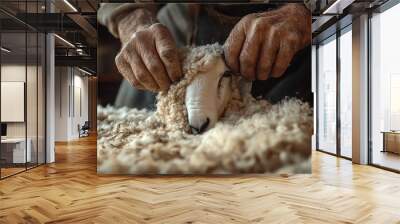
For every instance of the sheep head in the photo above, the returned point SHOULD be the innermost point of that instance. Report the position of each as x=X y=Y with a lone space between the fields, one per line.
x=196 y=103
x=208 y=94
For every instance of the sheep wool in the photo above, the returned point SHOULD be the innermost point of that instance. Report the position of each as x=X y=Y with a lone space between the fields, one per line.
x=253 y=136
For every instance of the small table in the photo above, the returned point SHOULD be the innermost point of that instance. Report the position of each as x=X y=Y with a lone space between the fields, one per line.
x=391 y=141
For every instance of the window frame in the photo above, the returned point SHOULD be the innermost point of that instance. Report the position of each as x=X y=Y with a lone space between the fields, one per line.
x=339 y=32
x=378 y=10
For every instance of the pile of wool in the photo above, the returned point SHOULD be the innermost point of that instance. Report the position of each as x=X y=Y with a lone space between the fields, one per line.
x=253 y=136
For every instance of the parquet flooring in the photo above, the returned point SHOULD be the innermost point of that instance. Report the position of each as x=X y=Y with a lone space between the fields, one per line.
x=10 y=171
x=69 y=191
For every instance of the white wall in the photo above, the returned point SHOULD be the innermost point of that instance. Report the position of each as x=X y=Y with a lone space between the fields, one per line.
x=33 y=126
x=70 y=83
x=16 y=73
x=61 y=104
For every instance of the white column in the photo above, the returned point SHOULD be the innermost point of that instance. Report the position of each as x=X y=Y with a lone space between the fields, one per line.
x=360 y=90
x=50 y=92
x=50 y=100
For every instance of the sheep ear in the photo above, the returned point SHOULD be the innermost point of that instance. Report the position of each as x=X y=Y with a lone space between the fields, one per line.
x=245 y=87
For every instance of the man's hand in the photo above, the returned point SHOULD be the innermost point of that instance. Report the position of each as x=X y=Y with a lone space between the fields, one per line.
x=262 y=45
x=149 y=57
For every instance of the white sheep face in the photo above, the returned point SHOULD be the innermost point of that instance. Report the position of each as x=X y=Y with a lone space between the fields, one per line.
x=208 y=95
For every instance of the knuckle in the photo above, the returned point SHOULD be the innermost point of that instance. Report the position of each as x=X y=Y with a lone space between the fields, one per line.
x=274 y=31
x=128 y=49
x=245 y=61
x=258 y=24
x=247 y=75
x=122 y=66
x=119 y=59
x=158 y=27
x=229 y=55
x=249 y=17
x=154 y=68
x=176 y=74
x=167 y=54
x=227 y=46
x=292 y=40
x=164 y=86
x=142 y=77
x=140 y=35
x=264 y=68
x=292 y=36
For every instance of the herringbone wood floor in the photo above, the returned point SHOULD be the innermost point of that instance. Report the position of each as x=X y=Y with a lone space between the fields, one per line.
x=70 y=191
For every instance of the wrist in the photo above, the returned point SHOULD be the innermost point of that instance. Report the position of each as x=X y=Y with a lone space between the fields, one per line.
x=135 y=21
x=296 y=9
x=301 y=17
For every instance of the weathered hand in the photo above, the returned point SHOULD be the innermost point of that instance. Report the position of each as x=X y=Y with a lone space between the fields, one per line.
x=262 y=45
x=149 y=56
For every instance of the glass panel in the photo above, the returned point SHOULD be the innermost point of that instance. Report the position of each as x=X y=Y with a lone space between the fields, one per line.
x=346 y=94
x=314 y=84
x=23 y=85
x=41 y=99
x=385 y=89
x=13 y=86
x=31 y=98
x=327 y=96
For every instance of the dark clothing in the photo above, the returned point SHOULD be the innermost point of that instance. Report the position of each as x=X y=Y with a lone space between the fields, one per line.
x=296 y=81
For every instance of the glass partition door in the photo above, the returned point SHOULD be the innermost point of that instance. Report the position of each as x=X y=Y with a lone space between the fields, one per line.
x=15 y=150
x=22 y=101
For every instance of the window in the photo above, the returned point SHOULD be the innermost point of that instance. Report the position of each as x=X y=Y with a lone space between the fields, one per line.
x=385 y=89
x=327 y=96
x=346 y=92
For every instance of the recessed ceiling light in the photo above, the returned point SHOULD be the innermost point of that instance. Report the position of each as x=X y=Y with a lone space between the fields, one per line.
x=84 y=71
x=70 y=5
x=65 y=41
x=5 y=49
x=338 y=6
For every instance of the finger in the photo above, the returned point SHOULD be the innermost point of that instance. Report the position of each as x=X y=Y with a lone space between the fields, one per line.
x=168 y=53
x=267 y=56
x=125 y=69
x=233 y=44
x=283 y=59
x=148 y=53
x=250 y=50
x=140 y=71
x=132 y=78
